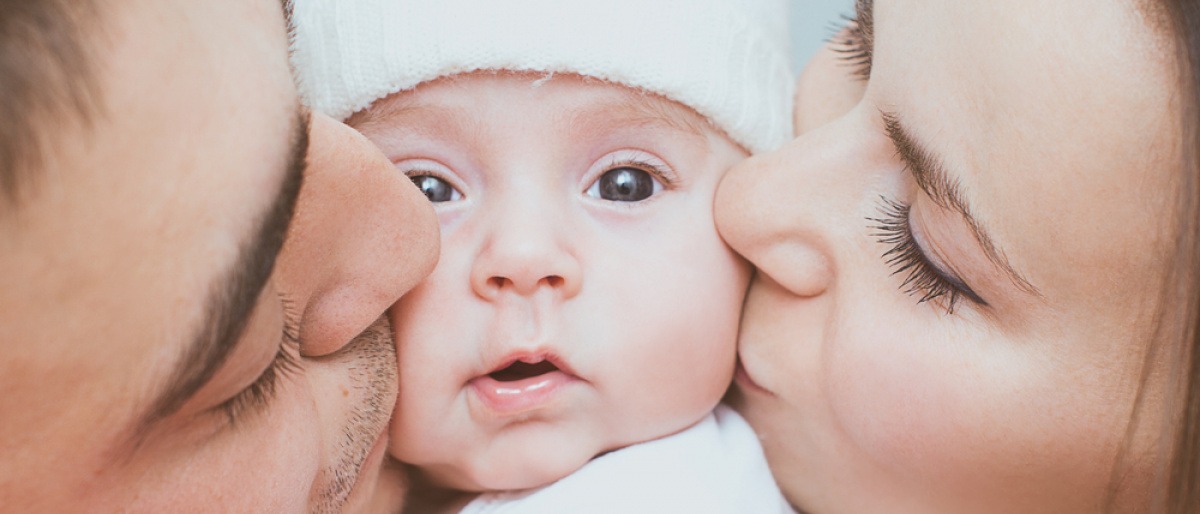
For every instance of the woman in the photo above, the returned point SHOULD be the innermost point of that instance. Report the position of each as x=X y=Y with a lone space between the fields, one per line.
x=975 y=287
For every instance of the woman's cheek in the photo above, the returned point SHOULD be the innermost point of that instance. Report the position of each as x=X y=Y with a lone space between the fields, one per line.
x=965 y=417
x=900 y=405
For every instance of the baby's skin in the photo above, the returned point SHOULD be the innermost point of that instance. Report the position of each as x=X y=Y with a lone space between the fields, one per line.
x=583 y=301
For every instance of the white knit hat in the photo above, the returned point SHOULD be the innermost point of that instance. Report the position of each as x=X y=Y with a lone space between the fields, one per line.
x=726 y=59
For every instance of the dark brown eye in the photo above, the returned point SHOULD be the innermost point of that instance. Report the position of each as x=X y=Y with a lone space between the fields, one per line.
x=624 y=184
x=436 y=189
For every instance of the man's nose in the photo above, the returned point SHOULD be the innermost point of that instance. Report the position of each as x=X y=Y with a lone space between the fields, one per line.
x=362 y=236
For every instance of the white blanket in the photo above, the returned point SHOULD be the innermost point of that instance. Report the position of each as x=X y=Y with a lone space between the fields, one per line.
x=716 y=466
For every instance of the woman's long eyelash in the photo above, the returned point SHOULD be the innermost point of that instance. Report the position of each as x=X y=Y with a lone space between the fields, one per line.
x=922 y=278
x=260 y=394
x=853 y=47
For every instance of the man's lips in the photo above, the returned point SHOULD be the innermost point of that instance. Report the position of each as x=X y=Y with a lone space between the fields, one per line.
x=522 y=382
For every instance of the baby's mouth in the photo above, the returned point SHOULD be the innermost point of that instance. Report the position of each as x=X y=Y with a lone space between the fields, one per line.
x=528 y=382
x=522 y=370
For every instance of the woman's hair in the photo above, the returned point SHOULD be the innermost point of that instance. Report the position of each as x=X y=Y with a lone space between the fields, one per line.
x=1182 y=487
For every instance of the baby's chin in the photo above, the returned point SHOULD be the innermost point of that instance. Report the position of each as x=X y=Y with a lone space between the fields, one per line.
x=532 y=450
x=530 y=460
x=527 y=470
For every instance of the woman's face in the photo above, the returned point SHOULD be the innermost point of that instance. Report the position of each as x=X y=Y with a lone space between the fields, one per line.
x=958 y=261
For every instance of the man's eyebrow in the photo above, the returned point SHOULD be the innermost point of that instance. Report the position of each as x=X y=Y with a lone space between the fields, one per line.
x=232 y=296
x=931 y=177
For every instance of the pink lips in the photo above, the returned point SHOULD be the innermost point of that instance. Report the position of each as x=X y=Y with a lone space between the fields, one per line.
x=523 y=383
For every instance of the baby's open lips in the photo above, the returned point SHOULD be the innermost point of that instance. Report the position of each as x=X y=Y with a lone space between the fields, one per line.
x=520 y=370
x=522 y=383
x=525 y=365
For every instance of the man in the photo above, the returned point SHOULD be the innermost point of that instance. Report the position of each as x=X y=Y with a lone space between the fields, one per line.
x=155 y=355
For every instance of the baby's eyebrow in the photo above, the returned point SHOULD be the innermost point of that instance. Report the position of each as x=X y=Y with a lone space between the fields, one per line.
x=646 y=110
x=385 y=111
x=636 y=109
x=405 y=118
x=681 y=118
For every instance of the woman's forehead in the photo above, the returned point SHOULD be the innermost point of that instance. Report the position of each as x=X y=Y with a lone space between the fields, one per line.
x=1059 y=134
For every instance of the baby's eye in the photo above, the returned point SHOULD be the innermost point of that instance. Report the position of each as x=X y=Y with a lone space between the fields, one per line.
x=436 y=189
x=625 y=184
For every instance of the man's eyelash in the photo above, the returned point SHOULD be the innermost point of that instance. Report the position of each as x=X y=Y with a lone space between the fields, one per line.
x=259 y=395
x=922 y=277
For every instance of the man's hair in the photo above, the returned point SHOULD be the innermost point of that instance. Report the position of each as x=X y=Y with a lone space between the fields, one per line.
x=46 y=80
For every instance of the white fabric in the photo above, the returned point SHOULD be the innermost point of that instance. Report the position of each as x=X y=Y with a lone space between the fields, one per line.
x=714 y=467
x=726 y=59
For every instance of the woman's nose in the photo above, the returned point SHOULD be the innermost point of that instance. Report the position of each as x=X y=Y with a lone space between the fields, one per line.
x=362 y=236
x=528 y=249
x=788 y=211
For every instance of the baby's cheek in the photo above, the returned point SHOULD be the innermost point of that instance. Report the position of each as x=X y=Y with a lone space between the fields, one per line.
x=689 y=366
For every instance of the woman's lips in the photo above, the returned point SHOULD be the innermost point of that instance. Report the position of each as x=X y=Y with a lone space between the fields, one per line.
x=746 y=382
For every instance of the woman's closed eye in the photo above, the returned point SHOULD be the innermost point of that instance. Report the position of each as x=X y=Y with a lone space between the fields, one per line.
x=922 y=278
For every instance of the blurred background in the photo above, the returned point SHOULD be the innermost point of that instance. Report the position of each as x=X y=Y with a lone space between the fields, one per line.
x=812 y=23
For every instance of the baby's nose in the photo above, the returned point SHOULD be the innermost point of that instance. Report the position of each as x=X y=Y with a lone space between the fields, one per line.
x=524 y=254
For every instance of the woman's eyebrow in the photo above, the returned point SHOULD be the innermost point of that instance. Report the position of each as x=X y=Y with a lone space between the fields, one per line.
x=931 y=177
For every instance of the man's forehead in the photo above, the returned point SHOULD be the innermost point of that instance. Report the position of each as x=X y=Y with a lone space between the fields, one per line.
x=142 y=212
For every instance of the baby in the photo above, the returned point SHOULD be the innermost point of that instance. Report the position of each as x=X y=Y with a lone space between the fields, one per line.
x=570 y=349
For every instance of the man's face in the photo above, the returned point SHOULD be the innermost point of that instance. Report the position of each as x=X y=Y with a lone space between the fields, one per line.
x=153 y=360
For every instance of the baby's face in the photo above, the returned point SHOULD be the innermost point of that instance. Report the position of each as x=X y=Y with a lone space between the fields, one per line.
x=583 y=300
